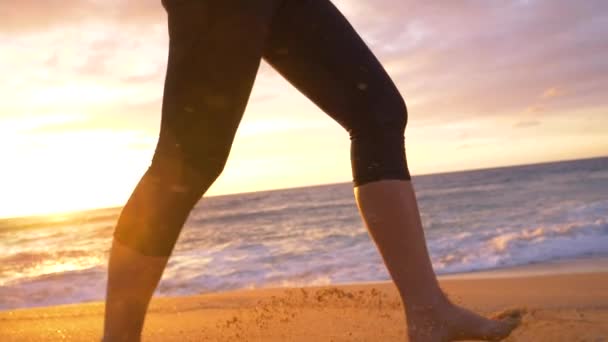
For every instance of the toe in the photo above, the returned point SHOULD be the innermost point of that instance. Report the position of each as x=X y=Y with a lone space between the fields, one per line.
x=504 y=323
x=509 y=314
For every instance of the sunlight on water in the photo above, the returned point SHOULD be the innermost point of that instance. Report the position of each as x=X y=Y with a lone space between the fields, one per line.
x=476 y=220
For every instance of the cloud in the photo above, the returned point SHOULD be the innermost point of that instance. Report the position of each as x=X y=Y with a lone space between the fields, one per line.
x=551 y=92
x=534 y=109
x=452 y=61
x=471 y=58
x=528 y=123
x=475 y=75
x=153 y=76
x=35 y=15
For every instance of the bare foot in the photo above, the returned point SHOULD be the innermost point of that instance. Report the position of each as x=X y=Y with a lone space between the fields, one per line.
x=449 y=322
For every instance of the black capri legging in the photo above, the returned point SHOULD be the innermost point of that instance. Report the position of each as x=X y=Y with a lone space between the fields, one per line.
x=215 y=50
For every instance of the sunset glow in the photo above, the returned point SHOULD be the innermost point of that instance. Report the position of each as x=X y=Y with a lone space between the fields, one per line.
x=487 y=84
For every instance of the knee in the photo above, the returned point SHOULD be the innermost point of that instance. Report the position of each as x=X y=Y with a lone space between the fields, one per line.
x=401 y=112
x=384 y=113
x=391 y=111
x=153 y=218
x=378 y=143
x=191 y=172
x=203 y=171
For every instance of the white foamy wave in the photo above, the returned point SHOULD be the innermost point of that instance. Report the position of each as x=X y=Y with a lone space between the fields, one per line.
x=53 y=289
x=509 y=247
x=477 y=220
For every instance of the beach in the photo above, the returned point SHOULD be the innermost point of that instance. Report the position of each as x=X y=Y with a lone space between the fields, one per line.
x=299 y=265
x=557 y=307
x=474 y=221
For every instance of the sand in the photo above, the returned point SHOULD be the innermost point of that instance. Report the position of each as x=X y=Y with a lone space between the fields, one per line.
x=566 y=307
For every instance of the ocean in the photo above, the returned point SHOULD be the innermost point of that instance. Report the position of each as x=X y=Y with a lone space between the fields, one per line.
x=474 y=220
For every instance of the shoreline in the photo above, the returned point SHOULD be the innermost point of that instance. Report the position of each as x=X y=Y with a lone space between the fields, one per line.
x=591 y=264
x=595 y=264
x=558 y=307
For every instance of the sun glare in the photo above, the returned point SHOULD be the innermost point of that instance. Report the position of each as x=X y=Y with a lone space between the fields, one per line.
x=60 y=173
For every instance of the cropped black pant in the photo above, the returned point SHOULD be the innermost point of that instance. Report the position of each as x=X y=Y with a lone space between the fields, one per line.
x=215 y=50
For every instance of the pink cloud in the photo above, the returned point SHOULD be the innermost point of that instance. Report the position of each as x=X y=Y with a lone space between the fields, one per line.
x=34 y=15
x=552 y=92
x=456 y=59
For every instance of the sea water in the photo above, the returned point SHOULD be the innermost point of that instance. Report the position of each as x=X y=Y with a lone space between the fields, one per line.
x=473 y=220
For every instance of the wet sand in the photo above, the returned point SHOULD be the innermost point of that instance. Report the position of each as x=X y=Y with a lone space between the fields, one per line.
x=563 y=307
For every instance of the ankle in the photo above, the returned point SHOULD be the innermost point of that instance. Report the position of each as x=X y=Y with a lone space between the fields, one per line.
x=121 y=338
x=430 y=305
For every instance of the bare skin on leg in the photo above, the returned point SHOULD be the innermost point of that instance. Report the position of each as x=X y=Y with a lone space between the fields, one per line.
x=325 y=59
x=390 y=211
x=132 y=278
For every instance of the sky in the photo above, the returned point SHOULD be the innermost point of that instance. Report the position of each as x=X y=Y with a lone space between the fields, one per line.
x=487 y=83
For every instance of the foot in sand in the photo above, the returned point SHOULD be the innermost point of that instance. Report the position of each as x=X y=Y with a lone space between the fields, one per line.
x=449 y=322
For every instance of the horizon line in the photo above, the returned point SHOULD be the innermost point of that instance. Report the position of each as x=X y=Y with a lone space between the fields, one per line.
x=71 y=212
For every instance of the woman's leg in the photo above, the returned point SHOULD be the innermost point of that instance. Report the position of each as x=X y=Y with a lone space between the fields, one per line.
x=214 y=54
x=317 y=50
